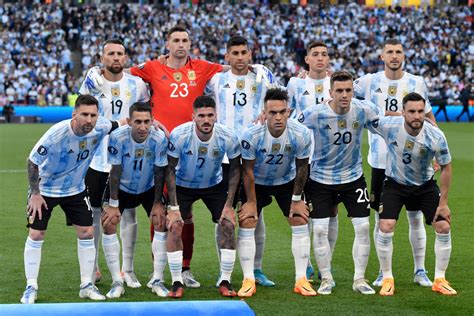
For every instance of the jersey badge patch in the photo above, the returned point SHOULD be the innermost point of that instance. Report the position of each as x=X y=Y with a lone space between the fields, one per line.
x=191 y=75
x=42 y=150
x=82 y=144
x=423 y=151
x=95 y=141
x=112 y=150
x=141 y=66
x=216 y=152
x=240 y=84
x=139 y=153
x=245 y=144
x=202 y=150
x=409 y=145
x=276 y=147
x=392 y=91
x=355 y=125
x=319 y=88
x=254 y=88
x=115 y=91
x=342 y=123
x=178 y=76
x=288 y=148
x=149 y=154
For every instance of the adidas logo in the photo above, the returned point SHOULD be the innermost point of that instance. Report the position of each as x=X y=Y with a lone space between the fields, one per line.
x=395 y=144
x=164 y=77
x=305 y=92
x=189 y=152
x=378 y=90
x=263 y=150
x=327 y=127
x=127 y=155
x=102 y=96
x=227 y=86
x=70 y=151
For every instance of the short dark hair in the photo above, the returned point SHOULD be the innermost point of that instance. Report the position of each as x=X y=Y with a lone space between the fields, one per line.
x=113 y=41
x=313 y=45
x=139 y=107
x=392 y=41
x=412 y=96
x=204 y=101
x=340 y=76
x=276 y=94
x=236 y=41
x=86 y=99
x=174 y=29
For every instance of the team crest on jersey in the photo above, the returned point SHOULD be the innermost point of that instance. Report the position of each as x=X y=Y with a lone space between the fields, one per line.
x=215 y=152
x=177 y=76
x=191 y=75
x=202 y=150
x=409 y=145
x=392 y=91
x=355 y=125
x=240 y=84
x=405 y=93
x=319 y=88
x=115 y=91
x=254 y=88
x=82 y=144
x=288 y=148
x=149 y=154
x=342 y=123
x=139 y=153
x=276 y=147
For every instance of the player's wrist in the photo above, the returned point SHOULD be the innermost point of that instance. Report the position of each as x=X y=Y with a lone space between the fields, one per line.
x=113 y=202
x=296 y=198
x=173 y=208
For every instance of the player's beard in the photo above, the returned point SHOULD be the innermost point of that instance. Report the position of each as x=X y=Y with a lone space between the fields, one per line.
x=415 y=125
x=115 y=69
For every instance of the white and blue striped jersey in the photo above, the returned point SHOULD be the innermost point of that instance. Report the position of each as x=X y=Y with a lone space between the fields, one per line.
x=275 y=157
x=337 y=157
x=388 y=95
x=307 y=92
x=409 y=157
x=199 y=164
x=63 y=157
x=115 y=99
x=137 y=159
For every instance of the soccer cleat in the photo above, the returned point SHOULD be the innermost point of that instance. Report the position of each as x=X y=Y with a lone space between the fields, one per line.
x=248 y=288
x=388 y=287
x=421 y=278
x=303 y=287
x=378 y=281
x=261 y=278
x=90 y=291
x=30 y=295
x=158 y=287
x=189 y=280
x=226 y=290
x=176 y=290
x=363 y=287
x=131 y=279
x=116 y=290
x=442 y=286
x=325 y=288
x=309 y=273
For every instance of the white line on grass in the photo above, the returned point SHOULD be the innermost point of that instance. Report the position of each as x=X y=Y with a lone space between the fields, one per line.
x=12 y=170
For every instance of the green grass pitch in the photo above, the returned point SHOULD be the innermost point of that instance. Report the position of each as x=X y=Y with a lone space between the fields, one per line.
x=59 y=274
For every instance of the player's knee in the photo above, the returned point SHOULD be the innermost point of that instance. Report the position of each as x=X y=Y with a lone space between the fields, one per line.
x=36 y=235
x=159 y=223
x=387 y=226
x=85 y=232
x=442 y=227
x=110 y=229
x=415 y=220
x=248 y=223
x=175 y=230
x=297 y=221
x=227 y=235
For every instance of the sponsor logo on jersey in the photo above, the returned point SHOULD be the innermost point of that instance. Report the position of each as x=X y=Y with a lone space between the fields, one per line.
x=202 y=150
x=263 y=150
x=355 y=125
x=378 y=90
x=115 y=91
x=139 y=153
x=409 y=145
x=245 y=144
x=164 y=77
x=191 y=75
x=276 y=147
x=392 y=91
x=226 y=86
x=189 y=152
x=42 y=150
x=102 y=96
x=70 y=151
x=327 y=127
x=82 y=144
x=127 y=155
x=305 y=92
x=178 y=76
x=192 y=83
x=319 y=88
x=342 y=123
x=240 y=84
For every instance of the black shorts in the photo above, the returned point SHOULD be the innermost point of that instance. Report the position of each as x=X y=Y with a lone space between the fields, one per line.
x=376 y=183
x=214 y=198
x=424 y=197
x=129 y=200
x=76 y=207
x=282 y=194
x=353 y=195
x=96 y=182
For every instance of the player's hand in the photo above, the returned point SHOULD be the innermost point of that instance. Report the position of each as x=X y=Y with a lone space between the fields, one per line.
x=260 y=119
x=263 y=75
x=431 y=121
x=228 y=214
x=159 y=125
x=248 y=211
x=303 y=74
x=300 y=209
x=110 y=216
x=171 y=218
x=94 y=78
x=163 y=58
x=35 y=206
x=158 y=215
x=436 y=166
x=444 y=212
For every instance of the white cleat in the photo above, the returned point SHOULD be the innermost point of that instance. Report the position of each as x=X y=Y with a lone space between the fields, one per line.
x=131 y=279
x=326 y=287
x=159 y=288
x=422 y=279
x=30 y=295
x=378 y=281
x=362 y=287
x=116 y=290
x=189 y=280
x=92 y=292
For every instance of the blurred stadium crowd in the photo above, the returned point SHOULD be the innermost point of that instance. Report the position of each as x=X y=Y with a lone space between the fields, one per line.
x=38 y=43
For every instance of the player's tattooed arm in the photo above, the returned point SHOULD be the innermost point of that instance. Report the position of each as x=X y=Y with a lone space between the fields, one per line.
x=301 y=175
x=248 y=211
x=234 y=179
x=114 y=180
x=33 y=177
x=35 y=202
x=159 y=177
x=174 y=215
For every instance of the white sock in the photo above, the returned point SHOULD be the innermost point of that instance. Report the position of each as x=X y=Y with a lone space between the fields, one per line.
x=333 y=232
x=86 y=255
x=260 y=235
x=216 y=239
x=384 y=253
x=442 y=253
x=96 y=223
x=310 y=229
x=322 y=250
x=111 y=246
x=175 y=262
x=376 y=232
x=246 y=251
x=32 y=260
x=361 y=246
x=300 y=247
x=227 y=263
x=417 y=235
x=128 y=235
x=158 y=247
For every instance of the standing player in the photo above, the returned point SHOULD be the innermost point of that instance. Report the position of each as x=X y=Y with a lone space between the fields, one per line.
x=309 y=91
x=386 y=89
x=57 y=167
x=195 y=154
x=275 y=162
x=117 y=93
x=336 y=175
x=411 y=146
x=239 y=102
